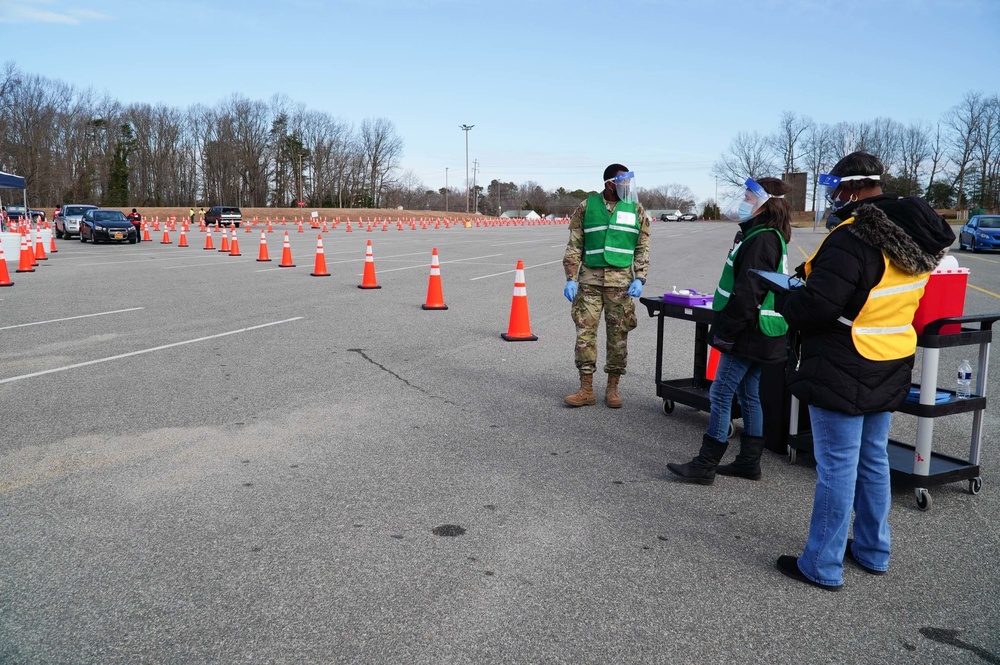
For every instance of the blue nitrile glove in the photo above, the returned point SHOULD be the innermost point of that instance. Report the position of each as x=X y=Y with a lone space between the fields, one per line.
x=635 y=288
x=570 y=290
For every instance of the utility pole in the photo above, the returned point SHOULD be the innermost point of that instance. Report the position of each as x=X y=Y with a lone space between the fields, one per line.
x=475 y=169
x=466 y=128
x=446 y=189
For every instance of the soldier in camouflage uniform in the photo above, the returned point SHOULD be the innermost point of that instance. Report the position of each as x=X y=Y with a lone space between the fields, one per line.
x=611 y=269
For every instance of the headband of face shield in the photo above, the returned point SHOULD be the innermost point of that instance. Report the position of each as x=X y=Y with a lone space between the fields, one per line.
x=747 y=203
x=625 y=186
x=826 y=185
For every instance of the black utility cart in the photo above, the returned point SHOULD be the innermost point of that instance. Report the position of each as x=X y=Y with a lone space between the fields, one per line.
x=691 y=391
x=917 y=466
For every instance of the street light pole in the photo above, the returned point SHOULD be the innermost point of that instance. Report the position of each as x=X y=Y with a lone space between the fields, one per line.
x=446 y=189
x=466 y=128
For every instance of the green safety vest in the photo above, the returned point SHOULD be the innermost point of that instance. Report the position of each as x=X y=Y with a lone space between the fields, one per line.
x=609 y=239
x=769 y=321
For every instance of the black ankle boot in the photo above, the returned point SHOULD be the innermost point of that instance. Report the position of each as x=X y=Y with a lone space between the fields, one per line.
x=701 y=469
x=747 y=463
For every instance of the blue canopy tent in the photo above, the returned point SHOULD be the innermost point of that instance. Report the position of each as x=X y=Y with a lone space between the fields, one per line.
x=8 y=181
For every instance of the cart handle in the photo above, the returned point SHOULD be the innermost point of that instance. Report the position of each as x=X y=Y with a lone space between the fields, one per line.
x=985 y=322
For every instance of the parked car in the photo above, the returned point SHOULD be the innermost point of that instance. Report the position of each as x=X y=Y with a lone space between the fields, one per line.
x=110 y=225
x=67 y=220
x=979 y=233
x=37 y=215
x=14 y=213
x=688 y=217
x=223 y=216
x=670 y=217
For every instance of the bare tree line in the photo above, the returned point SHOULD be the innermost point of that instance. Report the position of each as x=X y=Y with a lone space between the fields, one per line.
x=75 y=145
x=954 y=163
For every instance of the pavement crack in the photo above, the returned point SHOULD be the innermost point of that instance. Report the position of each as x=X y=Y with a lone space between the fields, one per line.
x=361 y=352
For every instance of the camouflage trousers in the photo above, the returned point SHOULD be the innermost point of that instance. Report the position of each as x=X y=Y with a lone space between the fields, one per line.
x=619 y=319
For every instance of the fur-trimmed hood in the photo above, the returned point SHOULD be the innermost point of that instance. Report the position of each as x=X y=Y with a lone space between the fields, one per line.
x=906 y=229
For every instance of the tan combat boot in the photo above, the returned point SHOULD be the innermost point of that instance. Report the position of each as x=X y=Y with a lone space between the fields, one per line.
x=611 y=397
x=585 y=395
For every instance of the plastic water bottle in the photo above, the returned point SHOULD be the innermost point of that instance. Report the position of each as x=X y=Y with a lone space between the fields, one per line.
x=964 y=389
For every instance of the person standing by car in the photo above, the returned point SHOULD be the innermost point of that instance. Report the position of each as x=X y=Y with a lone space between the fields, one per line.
x=606 y=263
x=855 y=317
x=746 y=330
x=136 y=220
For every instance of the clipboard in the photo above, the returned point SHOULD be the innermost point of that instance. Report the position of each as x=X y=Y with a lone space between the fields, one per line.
x=778 y=282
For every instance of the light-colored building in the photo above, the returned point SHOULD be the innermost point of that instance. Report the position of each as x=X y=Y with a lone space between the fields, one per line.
x=520 y=214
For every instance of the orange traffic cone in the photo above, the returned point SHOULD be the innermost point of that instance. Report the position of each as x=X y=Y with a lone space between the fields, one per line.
x=519 y=328
x=224 y=245
x=40 y=247
x=262 y=255
x=183 y=242
x=234 y=246
x=166 y=237
x=435 y=295
x=24 y=260
x=286 y=254
x=145 y=233
x=52 y=245
x=4 y=275
x=368 y=278
x=208 y=238
x=300 y=227
x=320 y=268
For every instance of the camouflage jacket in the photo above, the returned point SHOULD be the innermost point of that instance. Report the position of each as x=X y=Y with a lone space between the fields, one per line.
x=619 y=277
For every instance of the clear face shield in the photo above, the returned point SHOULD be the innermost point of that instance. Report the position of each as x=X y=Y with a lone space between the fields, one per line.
x=826 y=185
x=624 y=184
x=747 y=203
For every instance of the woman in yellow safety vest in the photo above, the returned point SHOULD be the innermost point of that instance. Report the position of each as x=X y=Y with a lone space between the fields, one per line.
x=746 y=330
x=854 y=318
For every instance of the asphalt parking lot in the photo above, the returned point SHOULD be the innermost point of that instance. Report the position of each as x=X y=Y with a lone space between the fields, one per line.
x=209 y=459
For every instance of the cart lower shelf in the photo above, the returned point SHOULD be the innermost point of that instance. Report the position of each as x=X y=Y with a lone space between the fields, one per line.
x=944 y=469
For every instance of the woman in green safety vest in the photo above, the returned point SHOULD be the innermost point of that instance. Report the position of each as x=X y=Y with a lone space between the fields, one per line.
x=746 y=330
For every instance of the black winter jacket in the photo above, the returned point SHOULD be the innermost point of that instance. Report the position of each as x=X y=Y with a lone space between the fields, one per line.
x=738 y=321
x=828 y=372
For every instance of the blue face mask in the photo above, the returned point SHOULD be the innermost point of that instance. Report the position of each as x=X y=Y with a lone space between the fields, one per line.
x=745 y=211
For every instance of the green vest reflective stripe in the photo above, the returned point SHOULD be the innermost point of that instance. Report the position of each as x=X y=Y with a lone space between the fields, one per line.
x=769 y=321
x=609 y=239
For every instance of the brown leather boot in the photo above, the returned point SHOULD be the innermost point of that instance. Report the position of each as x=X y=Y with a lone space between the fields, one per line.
x=611 y=397
x=585 y=395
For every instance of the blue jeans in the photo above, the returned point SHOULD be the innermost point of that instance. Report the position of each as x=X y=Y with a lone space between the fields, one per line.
x=740 y=377
x=852 y=468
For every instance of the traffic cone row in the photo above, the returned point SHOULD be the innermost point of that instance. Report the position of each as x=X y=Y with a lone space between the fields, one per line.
x=519 y=324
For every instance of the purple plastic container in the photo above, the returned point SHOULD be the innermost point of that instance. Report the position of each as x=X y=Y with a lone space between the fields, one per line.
x=692 y=299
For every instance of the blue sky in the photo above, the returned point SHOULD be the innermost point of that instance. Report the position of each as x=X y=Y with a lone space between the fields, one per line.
x=556 y=89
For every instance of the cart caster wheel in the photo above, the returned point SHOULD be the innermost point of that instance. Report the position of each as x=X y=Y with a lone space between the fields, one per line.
x=923 y=499
x=668 y=407
x=793 y=455
x=731 y=431
x=975 y=484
